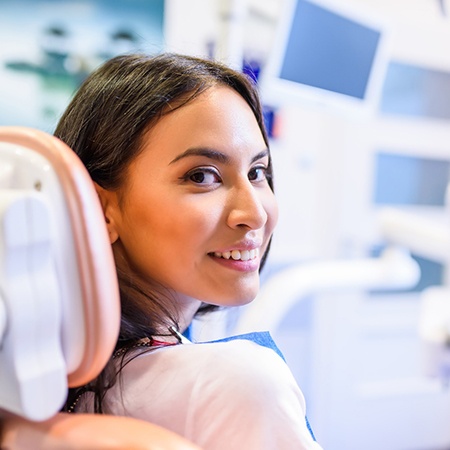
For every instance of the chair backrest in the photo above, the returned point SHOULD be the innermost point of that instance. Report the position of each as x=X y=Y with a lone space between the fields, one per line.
x=60 y=301
x=59 y=297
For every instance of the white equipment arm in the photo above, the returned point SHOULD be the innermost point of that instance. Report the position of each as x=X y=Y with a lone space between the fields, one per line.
x=395 y=269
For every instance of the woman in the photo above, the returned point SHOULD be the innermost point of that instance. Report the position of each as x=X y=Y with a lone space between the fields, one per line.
x=177 y=149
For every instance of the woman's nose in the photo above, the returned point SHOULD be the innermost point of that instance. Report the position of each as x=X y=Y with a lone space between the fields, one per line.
x=247 y=207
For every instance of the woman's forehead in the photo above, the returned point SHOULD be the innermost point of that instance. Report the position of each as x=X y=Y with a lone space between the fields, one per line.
x=216 y=113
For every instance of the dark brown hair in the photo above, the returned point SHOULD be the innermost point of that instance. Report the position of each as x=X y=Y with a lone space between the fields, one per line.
x=105 y=124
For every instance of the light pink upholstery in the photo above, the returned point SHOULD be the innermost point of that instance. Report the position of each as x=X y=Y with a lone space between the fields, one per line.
x=89 y=432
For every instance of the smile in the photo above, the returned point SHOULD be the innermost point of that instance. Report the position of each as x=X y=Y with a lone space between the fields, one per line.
x=238 y=255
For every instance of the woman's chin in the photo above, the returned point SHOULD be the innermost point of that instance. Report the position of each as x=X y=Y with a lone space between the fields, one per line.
x=240 y=300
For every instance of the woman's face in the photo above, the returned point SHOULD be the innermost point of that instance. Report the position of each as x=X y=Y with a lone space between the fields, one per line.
x=197 y=211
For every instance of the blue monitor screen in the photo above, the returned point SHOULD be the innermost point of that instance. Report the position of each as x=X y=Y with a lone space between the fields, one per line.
x=409 y=180
x=411 y=90
x=329 y=51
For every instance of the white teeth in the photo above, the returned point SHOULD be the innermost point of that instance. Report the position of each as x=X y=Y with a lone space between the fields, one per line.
x=237 y=255
x=245 y=255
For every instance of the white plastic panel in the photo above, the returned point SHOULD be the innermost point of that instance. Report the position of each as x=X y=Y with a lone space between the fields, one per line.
x=30 y=170
x=33 y=373
x=39 y=287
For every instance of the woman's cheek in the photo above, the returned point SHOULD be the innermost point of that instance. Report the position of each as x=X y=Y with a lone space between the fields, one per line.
x=271 y=207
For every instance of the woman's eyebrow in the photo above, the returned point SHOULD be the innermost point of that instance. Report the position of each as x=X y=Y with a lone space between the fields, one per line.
x=203 y=151
x=261 y=155
x=215 y=155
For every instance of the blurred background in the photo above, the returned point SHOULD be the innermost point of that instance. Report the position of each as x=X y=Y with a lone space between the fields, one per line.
x=356 y=95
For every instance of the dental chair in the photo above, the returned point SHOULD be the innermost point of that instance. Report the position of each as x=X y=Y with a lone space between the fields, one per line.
x=59 y=302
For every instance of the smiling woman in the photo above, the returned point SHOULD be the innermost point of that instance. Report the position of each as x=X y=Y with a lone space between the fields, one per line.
x=204 y=160
x=179 y=156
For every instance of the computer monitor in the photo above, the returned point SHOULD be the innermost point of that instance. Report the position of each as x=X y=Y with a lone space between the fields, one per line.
x=326 y=54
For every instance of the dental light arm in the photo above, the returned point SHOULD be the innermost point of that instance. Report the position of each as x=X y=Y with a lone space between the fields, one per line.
x=422 y=236
x=395 y=269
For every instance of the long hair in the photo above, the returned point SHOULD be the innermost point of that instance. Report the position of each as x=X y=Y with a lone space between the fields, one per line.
x=105 y=124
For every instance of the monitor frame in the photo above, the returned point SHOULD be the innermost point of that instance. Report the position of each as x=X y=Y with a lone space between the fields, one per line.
x=277 y=91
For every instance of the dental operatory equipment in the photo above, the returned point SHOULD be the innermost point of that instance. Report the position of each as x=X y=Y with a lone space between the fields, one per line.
x=428 y=237
x=395 y=269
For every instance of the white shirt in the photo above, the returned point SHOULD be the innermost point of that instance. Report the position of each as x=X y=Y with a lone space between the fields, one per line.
x=222 y=396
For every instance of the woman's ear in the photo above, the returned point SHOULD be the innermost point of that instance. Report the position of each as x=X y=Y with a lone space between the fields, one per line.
x=108 y=200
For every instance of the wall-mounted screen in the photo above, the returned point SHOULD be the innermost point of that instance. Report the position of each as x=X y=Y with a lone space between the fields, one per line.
x=325 y=54
x=415 y=91
x=409 y=180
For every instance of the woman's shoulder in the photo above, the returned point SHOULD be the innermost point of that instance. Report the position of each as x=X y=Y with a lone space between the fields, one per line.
x=235 y=392
x=250 y=370
x=244 y=358
x=234 y=354
x=231 y=366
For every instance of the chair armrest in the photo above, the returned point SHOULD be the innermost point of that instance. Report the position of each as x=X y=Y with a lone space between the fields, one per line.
x=88 y=431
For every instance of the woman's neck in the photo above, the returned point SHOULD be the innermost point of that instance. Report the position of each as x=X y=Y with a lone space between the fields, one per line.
x=188 y=307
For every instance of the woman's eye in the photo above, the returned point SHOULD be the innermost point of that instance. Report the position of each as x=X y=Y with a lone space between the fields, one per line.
x=204 y=177
x=257 y=174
